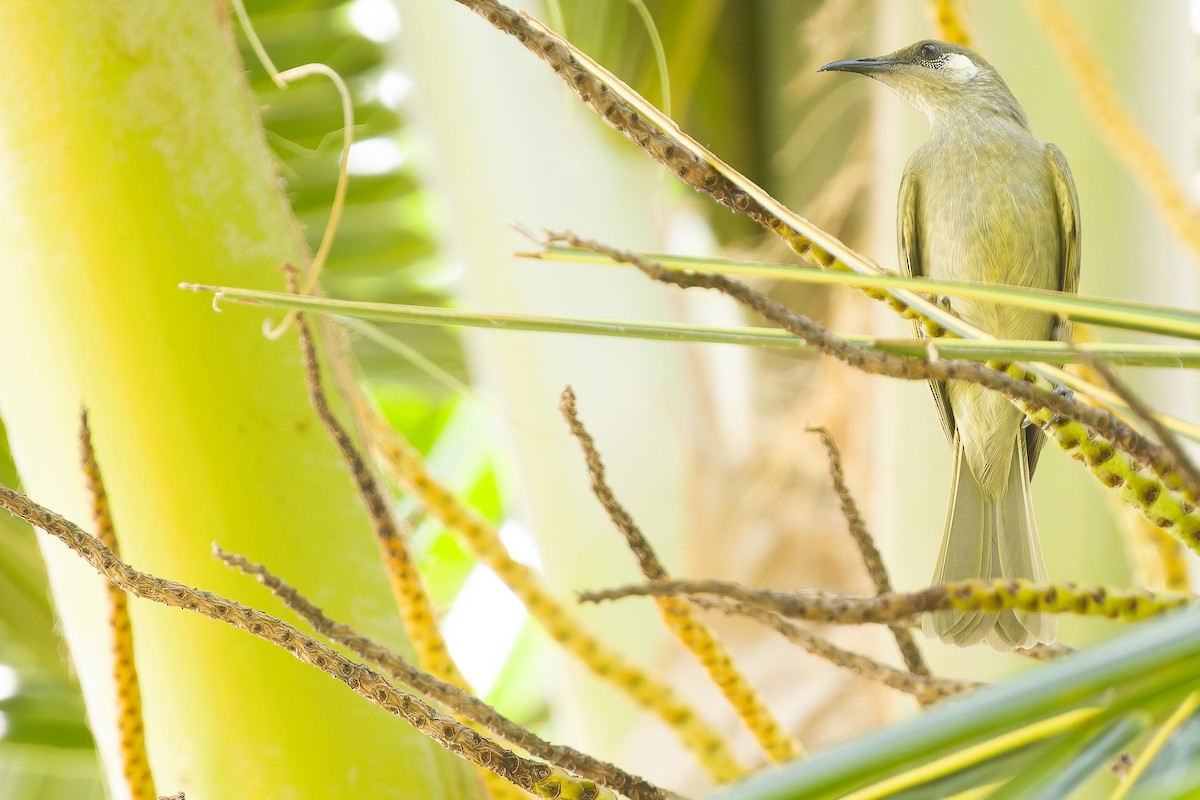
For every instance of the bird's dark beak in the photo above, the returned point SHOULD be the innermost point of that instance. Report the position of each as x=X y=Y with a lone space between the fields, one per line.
x=863 y=66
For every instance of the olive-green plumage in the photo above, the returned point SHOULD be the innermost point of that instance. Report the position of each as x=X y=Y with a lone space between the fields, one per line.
x=983 y=200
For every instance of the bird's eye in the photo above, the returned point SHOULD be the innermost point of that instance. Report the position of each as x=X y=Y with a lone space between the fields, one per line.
x=928 y=51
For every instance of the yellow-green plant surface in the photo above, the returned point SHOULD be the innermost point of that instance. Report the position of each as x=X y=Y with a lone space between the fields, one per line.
x=131 y=160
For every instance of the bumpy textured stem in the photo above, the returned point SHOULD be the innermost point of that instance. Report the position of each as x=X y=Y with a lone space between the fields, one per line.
x=991 y=596
x=413 y=601
x=463 y=703
x=1153 y=488
x=407 y=466
x=680 y=618
x=131 y=731
x=536 y=777
x=1145 y=491
x=927 y=689
x=872 y=558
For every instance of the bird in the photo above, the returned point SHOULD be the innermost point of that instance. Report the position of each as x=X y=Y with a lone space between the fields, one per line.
x=983 y=200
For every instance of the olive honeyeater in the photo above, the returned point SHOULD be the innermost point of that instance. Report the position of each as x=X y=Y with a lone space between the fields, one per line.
x=983 y=200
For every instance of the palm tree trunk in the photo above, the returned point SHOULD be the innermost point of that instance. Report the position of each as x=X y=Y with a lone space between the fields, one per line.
x=131 y=159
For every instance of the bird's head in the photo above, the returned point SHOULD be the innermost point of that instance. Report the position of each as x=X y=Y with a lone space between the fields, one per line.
x=945 y=81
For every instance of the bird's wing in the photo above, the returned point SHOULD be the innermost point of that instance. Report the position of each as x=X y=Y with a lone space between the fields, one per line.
x=908 y=237
x=1068 y=227
x=1067 y=206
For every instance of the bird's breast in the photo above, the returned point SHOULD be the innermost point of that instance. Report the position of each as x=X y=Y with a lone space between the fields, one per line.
x=987 y=212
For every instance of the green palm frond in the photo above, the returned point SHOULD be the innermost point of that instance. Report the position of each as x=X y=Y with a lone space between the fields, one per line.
x=1165 y=355
x=1105 y=696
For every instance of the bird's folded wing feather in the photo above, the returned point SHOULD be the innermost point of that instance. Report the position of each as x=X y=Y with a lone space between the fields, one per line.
x=908 y=237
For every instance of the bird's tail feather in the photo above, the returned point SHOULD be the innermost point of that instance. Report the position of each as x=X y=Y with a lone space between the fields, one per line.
x=988 y=539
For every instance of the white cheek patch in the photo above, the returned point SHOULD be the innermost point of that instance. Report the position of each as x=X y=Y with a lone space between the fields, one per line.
x=960 y=66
